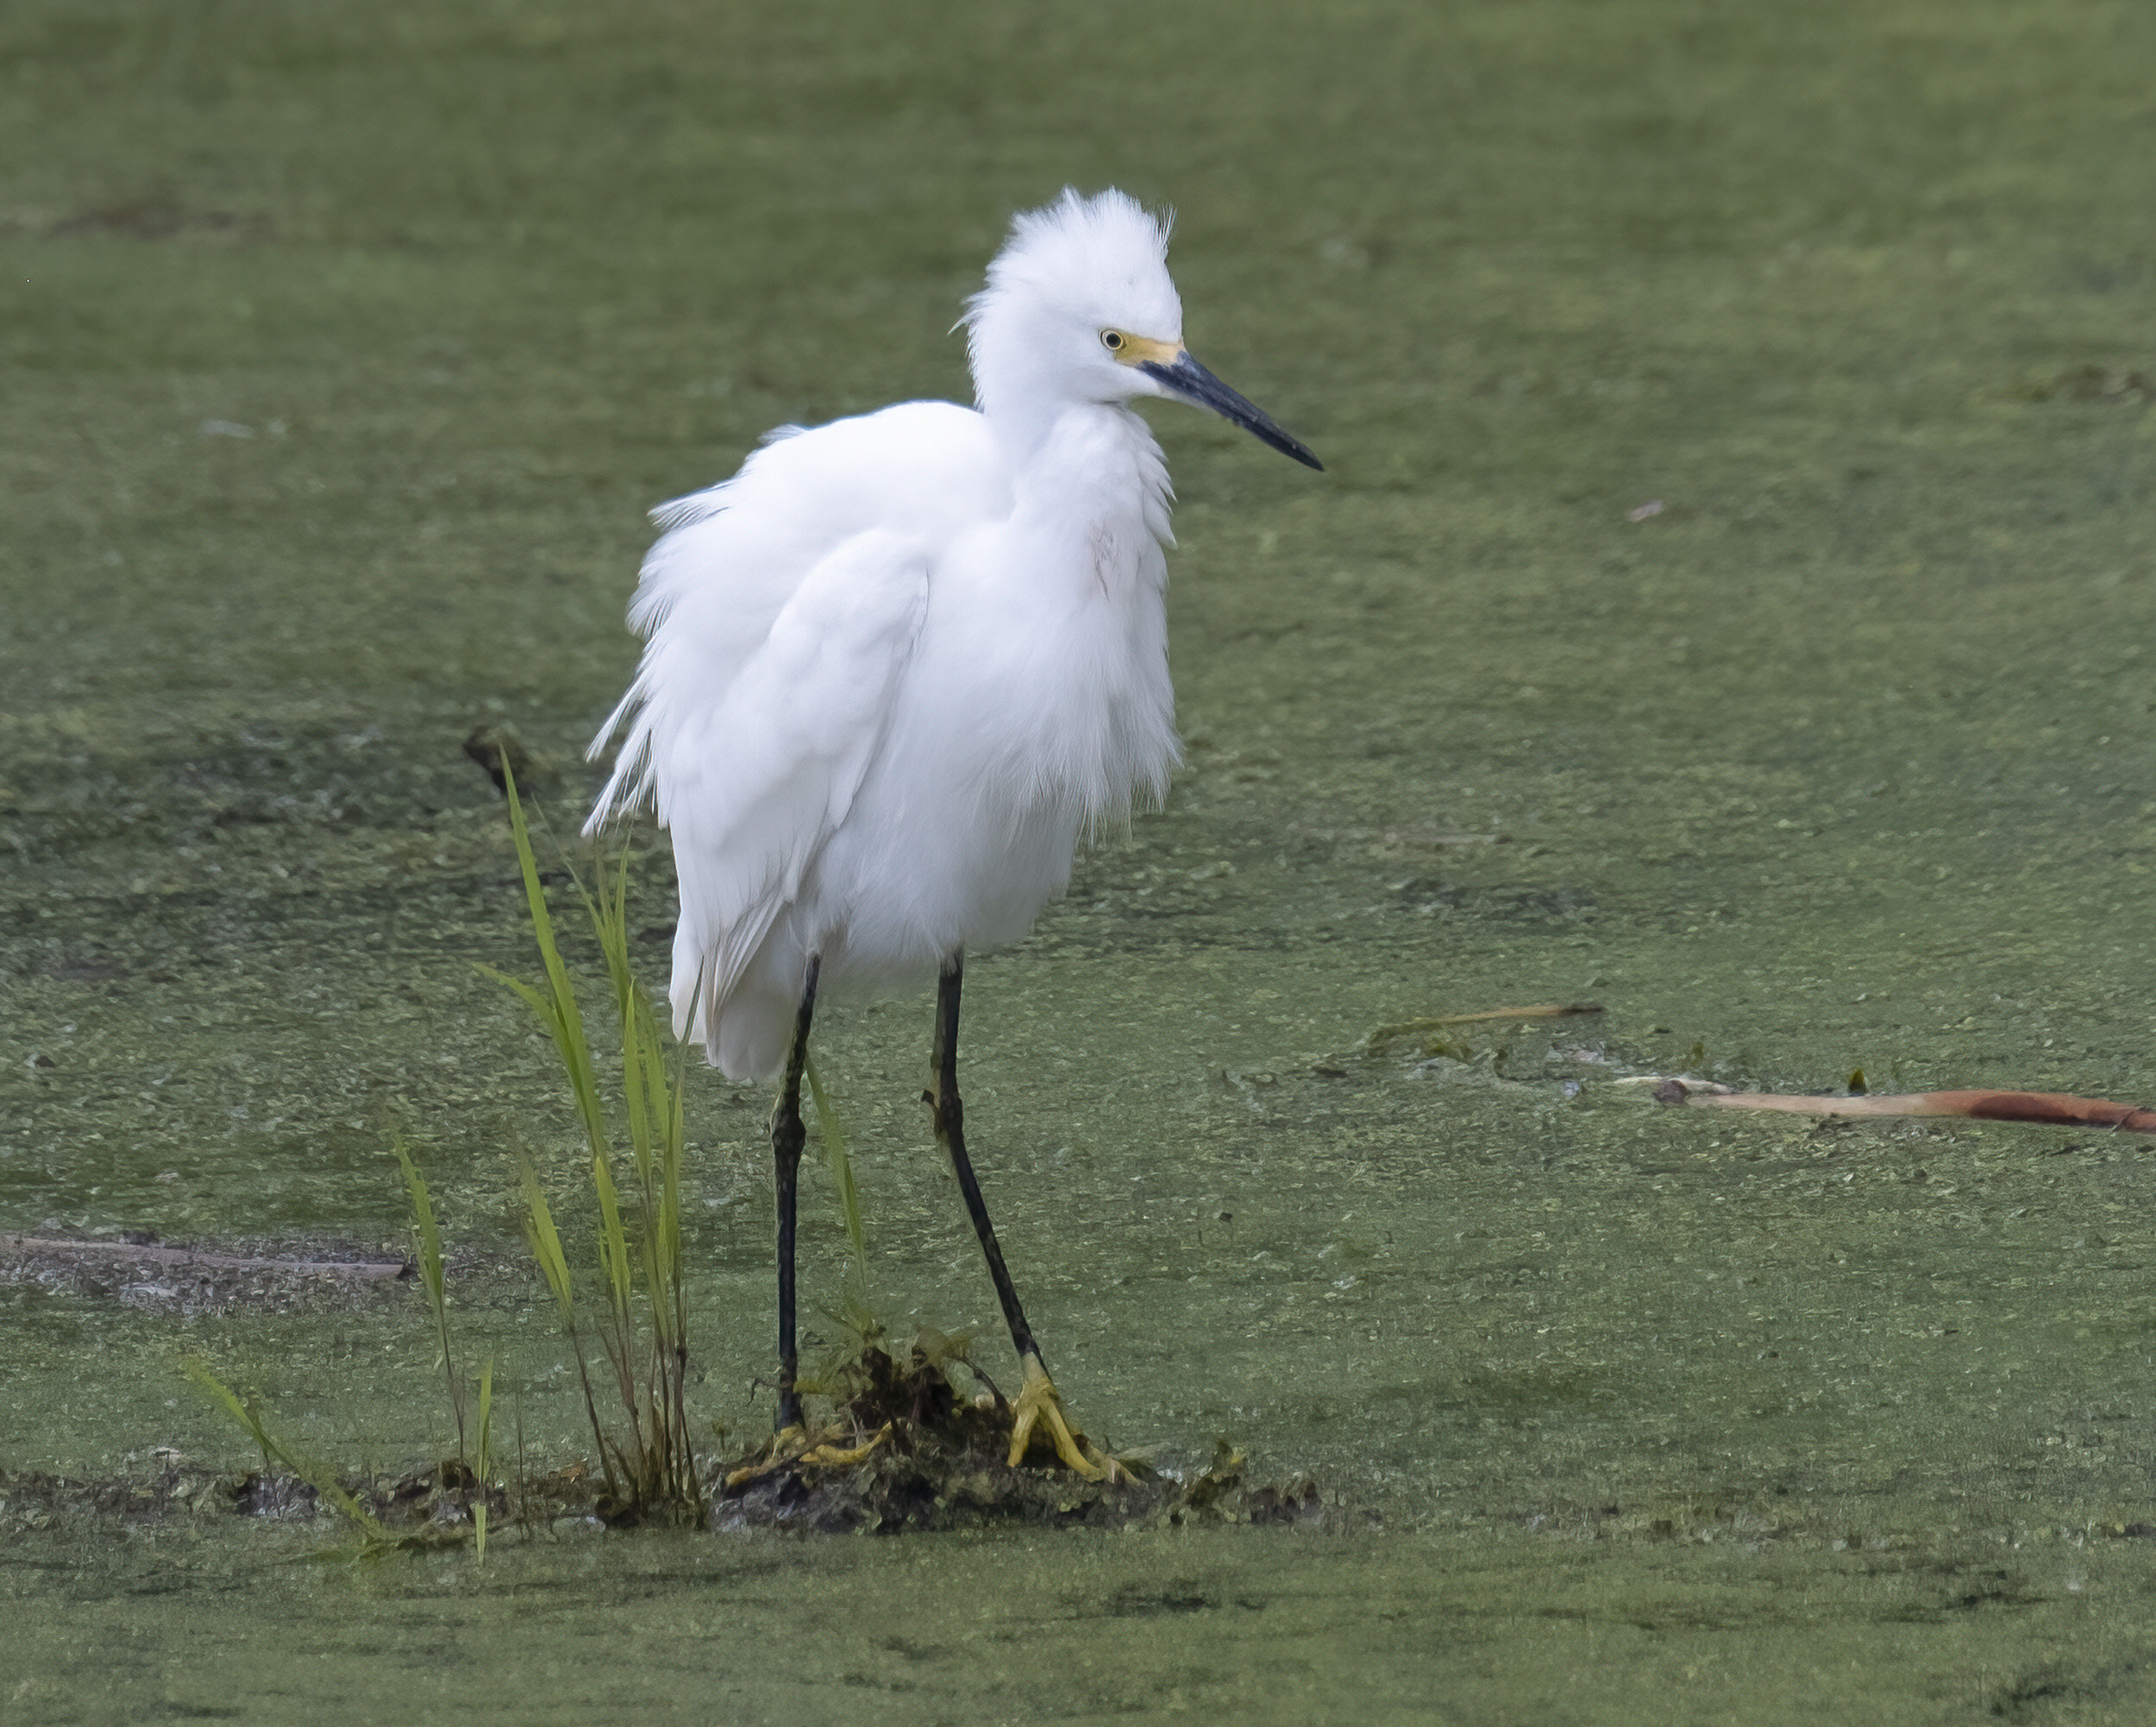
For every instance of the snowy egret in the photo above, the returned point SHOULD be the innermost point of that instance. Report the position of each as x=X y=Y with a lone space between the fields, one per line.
x=898 y=663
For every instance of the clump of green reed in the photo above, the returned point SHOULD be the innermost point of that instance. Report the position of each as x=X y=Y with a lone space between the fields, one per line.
x=642 y=1310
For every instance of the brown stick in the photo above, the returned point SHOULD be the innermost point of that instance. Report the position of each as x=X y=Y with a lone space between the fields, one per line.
x=1546 y=1010
x=1383 y=1035
x=2058 y=1109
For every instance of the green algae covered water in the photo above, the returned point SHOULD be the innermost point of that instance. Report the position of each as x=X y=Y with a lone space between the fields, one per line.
x=1728 y=602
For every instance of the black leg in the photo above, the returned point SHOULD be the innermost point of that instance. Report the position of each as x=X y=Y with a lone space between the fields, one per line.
x=949 y=1117
x=787 y=1136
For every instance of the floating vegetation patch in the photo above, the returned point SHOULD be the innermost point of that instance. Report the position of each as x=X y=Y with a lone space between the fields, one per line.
x=431 y=1507
x=140 y=1271
x=159 y=214
x=907 y=1453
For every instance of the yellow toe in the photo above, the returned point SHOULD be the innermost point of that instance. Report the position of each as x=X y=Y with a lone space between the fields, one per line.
x=821 y=1451
x=1038 y=1402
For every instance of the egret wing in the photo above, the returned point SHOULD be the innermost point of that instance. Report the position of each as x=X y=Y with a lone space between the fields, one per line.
x=753 y=771
x=736 y=554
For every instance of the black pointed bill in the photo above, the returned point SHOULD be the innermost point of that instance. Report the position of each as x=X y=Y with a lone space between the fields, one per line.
x=1185 y=377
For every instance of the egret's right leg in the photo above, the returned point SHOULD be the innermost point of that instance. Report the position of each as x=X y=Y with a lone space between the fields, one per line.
x=1038 y=1403
x=787 y=1136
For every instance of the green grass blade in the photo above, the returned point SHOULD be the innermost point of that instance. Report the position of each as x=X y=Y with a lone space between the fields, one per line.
x=219 y=1393
x=538 y=1001
x=546 y=1243
x=609 y=922
x=662 y=1173
x=564 y=1021
x=613 y=1244
x=432 y=1275
x=429 y=1236
x=842 y=1167
x=325 y=1484
x=676 y=1146
x=486 y=1466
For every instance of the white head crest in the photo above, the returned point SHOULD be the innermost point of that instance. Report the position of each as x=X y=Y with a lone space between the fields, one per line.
x=1069 y=269
x=1079 y=310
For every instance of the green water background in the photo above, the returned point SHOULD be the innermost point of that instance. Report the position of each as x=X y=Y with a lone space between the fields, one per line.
x=342 y=352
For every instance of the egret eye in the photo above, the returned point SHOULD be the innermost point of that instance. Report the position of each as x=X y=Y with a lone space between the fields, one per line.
x=1112 y=341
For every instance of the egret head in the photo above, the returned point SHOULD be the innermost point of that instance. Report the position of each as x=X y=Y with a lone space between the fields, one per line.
x=1079 y=308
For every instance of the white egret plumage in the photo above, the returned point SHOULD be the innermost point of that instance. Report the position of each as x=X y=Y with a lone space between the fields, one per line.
x=897 y=665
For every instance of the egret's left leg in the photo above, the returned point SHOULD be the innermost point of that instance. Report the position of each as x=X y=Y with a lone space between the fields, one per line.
x=1039 y=1403
x=787 y=1135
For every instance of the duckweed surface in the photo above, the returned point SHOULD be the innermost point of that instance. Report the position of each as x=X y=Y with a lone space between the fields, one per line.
x=1729 y=601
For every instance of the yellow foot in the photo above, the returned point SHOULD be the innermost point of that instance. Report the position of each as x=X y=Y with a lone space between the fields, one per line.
x=818 y=1450
x=1038 y=1403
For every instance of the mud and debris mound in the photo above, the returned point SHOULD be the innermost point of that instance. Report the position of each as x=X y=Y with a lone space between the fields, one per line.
x=909 y=1453
x=158 y=1485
